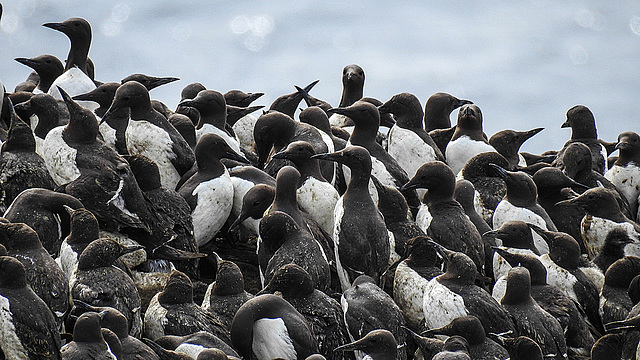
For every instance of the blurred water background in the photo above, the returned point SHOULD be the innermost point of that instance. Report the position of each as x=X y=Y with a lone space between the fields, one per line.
x=525 y=63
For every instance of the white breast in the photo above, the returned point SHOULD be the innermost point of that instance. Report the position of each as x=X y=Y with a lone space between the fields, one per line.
x=212 y=129
x=338 y=213
x=459 y=151
x=192 y=350
x=108 y=135
x=215 y=199
x=441 y=305
x=153 y=142
x=271 y=340
x=505 y=212
x=39 y=142
x=68 y=260
x=74 y=82
x=240 y=188
x=409 y=150
x=408 y=293
x=423 y=217
x=11 y=344
x=243 y=129
x=154 y=319
x=59 y=157
x=499 y=288
x=627 y=181
x=480 y=208
x=318 y=199
x=559 y=277
x=337 y=120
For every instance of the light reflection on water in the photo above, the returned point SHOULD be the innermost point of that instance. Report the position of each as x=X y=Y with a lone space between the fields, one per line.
x=523 y=64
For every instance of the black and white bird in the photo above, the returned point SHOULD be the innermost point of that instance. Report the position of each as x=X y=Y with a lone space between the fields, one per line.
x=268 y=327
x=625 y=172
x=323 y=313
x=173 y=312
x=529 y=318
x=42 y=273
x=468 y=140
x=209 y=191
x=367 y=307
x=29 y=330
x=455 y=293
x=88 y=341
x=99 y=283
x=361 y=239
x=407 y=141
x=148 y=132
x=443 y=218
x=583 y=129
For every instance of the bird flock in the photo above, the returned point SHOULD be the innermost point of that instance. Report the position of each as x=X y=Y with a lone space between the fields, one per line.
x=367 y=229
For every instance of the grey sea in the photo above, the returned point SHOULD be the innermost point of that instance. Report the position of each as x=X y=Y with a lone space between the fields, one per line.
x=523 y=62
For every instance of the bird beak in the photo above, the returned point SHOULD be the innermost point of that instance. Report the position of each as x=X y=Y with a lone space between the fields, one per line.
x=502 y=172
x=161 y=81
x=242 y=217
x=56 y=26
x=342 y=111
x=131 y=248
x=281 y=155
x=336 y=156
x=463 y=102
